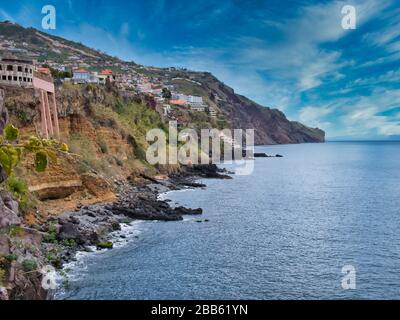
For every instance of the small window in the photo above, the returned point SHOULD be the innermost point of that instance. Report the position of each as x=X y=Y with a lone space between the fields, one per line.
x=1 y=67
x=19 y=69
x=26 y=70
x=10 y=68
x=30 y=70
x=15 y=78
x=4 y=78
x=9 y=78
x=24 y=79
x=20 y=79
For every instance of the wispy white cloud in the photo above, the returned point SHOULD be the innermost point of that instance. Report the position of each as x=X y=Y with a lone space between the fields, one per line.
x=316 y=116
x=5 y=16
x=296 y=62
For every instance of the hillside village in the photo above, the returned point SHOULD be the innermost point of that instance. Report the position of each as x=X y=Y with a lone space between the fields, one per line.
x=164 y=93
x=67 y=63
x=175 y=93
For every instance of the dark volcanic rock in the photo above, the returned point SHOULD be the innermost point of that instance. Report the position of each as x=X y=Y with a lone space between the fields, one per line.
x=260 y=155
x=188 y=211
x=209 y=171
x=143 y=214
x=69 y=231
x=9 y=211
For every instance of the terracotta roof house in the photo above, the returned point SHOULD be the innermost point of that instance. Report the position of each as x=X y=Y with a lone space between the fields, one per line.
x=178 y=102
x=106 y=74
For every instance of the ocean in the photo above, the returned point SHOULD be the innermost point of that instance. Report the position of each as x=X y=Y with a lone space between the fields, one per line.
x=283 y=232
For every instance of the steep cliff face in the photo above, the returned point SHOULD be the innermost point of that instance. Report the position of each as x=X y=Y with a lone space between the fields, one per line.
x=106 y=144
x=271 y=125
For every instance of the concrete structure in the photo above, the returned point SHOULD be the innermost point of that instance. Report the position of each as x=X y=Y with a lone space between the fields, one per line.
x=44 y=87
x=16 y=72
x=194 y=102
x=199 y=108
x=212 y=112
x=22 y=73
x=166 y=109
x=3 y=111
x=81 y=76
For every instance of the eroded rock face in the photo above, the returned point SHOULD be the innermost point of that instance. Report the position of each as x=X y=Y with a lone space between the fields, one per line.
x=8 y=211
x=3 y=111
x=3 y=121
x=69 y=231
x=4 y=245
x=96 y=185
x=21 y=243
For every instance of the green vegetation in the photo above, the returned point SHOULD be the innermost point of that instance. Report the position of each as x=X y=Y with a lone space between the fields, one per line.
x=133 y=119
x=57 y=74
x=51 y=236
x=119 y=162
x=29 y=265
x=2 y=276
x=15 y=231
x=166 y=93
x=81 y=145
x=11 y=152
x=105 y=245
x=13 y=149
x=11 y=257
x=19 y=190
x=69 y=243
x=103 y=147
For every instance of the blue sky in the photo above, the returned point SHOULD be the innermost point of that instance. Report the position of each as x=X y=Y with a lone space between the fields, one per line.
x=292 y=55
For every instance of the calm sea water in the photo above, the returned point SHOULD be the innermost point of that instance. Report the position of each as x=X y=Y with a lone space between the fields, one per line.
x=284 y=232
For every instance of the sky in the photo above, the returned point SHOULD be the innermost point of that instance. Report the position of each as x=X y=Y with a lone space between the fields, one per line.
x=291 y=55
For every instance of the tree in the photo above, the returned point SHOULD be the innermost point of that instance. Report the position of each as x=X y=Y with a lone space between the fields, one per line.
x=12 y=149
x=166 y=93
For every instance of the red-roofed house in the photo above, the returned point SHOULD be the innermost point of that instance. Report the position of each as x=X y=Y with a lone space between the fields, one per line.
x=178 y=102
x=43 y=70
x=106 y=74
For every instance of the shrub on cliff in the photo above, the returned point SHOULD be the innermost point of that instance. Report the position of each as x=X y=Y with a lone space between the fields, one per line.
x=29 y=265
x=13 y=149
x=105 y=245
x=18 y=189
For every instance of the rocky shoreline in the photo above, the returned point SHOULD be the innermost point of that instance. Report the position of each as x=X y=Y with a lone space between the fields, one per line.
x=90 y=226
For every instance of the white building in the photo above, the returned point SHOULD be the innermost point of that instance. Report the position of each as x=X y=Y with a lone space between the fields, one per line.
x=196 y=103
x=81 y=76
x=166 y=109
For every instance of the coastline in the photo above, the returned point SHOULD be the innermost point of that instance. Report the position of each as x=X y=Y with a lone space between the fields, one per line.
x=100 y=227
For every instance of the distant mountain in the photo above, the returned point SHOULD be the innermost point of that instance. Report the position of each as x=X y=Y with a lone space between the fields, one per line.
x=271 y=125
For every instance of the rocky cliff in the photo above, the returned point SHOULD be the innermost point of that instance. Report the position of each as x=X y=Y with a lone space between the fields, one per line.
x=271 y=125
